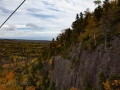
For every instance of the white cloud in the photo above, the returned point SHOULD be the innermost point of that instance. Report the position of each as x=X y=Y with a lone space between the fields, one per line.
x=50 y=15
x=9 y=27
x=32 y=26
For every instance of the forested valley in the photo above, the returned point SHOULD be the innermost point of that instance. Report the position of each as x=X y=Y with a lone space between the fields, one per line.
x=24 y=64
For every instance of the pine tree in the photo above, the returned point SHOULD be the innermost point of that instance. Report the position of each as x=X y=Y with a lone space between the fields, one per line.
x=98 y=13
x=81 y=16
x=77 y=17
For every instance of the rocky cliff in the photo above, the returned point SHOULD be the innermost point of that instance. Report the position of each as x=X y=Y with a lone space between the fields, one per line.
x=87 y=70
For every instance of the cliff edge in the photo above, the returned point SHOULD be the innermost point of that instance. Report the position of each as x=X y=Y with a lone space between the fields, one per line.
x=88 y=70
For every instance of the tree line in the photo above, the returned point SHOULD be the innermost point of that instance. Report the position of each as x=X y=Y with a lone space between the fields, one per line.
x=89 y=28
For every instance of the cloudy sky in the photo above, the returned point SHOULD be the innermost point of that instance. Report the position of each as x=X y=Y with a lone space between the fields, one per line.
x=39 y=19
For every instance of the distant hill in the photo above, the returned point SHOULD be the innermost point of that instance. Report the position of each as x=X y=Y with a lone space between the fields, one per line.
x=23 y=40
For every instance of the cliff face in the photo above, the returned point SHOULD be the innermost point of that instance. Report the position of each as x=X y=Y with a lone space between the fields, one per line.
x=83 y=68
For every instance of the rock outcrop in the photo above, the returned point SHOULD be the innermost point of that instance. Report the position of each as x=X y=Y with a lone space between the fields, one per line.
x=83 y=68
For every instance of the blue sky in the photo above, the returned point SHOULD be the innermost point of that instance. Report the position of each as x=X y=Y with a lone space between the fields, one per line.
x=39 y=19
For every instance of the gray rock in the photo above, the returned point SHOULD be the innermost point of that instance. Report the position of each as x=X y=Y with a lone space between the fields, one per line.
x=66 y=74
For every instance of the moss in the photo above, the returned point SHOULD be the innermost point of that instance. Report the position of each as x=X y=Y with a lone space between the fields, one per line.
x=86 y=85
x=114 y=76
x=101 y=76
x=53 y=86
x=95 y=88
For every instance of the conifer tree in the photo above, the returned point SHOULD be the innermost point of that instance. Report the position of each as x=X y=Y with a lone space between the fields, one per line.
x=97 y=2
x=77 y=17
x=81 y=16
x=98 y=13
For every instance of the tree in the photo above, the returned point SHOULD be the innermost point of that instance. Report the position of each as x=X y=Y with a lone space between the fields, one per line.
x=81 y=16
x=92 y=29
x=118 y=3
x=117 y=14
x=98 y=13
x=106 y=5
x=31 y=81
x=77 y=17
x=98 y=10
x=106 y=20
x=97 y=2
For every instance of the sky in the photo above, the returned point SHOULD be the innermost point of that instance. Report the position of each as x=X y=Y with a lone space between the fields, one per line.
x=39 y=19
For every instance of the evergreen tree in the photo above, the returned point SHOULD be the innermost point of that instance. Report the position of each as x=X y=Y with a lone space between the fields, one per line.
x=98 y=13
x=81 y=16
x=97 y=2
x=77 y=17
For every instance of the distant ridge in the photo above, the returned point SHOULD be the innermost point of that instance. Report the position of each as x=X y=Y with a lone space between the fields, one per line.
x=25 y=40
